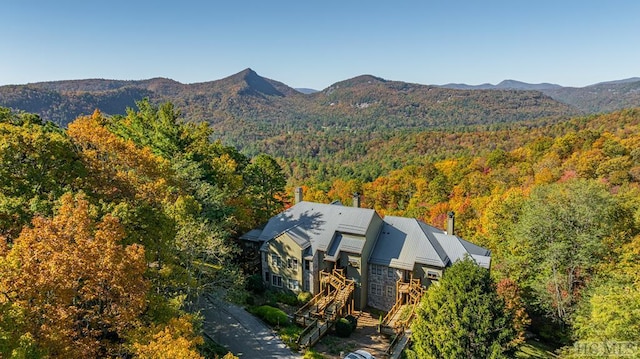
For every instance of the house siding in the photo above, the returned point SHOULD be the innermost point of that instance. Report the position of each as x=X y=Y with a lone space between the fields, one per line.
x=315 y=270
x=371 y=235
x=284 y=259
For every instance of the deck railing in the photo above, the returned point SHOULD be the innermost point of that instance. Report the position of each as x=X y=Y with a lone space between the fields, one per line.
x=321 y=312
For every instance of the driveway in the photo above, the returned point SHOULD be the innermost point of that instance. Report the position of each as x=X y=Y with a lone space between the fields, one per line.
x=245 y=335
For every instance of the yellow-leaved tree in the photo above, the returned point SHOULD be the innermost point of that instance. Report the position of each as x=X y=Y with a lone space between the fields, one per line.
x=76 y=287
x=176 y=339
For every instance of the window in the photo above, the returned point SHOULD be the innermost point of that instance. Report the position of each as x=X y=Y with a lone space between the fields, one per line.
x=276 y=280
x=305 y=285
x=292 y=263
x=391 y=273
x=307 y=265
x=292 y=284
x=389 y=291
x=266 y=277
x=376 y=269
x=433 y=274
x=376 y=289
x=275 y=260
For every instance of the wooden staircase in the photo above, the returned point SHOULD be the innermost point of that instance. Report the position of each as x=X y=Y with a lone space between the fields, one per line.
x=334 y=300
x=408 y=296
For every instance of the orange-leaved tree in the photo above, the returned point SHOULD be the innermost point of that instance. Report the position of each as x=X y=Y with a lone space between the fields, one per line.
x=77 y=287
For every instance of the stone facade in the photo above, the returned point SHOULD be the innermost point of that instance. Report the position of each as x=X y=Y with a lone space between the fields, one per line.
x=382 y=286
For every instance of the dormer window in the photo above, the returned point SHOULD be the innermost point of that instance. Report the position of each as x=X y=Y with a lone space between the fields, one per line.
x=433 y=274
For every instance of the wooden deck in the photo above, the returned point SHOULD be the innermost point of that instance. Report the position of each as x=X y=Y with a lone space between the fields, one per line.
x=408 y=296
x=334 y=301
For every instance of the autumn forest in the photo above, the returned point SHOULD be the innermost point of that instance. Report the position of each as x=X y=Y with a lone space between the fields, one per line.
x=111 y=224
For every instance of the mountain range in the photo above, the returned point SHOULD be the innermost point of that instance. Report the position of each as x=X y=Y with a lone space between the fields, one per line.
x=248 y=107
x=601 y=97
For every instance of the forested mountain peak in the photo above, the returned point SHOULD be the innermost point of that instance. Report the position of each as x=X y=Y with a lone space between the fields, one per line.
x=505 y=85
x=248 y=82
x=357 y=81
x=519 y=85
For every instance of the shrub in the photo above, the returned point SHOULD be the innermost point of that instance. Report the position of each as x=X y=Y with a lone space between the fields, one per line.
x=287 y=298
x=353 y=321
x=343 y=328
x=271 y=298
x=271 y=315
x=304 y=297
x=255 y=284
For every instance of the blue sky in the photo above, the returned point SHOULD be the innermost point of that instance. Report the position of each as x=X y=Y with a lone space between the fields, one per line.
x=307 y=43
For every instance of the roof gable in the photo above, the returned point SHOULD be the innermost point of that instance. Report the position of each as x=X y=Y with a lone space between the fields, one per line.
x=457 y=248
x=403 y=242
x=317 y=223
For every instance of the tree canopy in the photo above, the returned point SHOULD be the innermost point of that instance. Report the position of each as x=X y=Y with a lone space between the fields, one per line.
x=462 y=316
x=110 y=227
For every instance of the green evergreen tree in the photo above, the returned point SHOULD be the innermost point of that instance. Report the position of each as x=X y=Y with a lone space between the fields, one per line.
x=462 y=316
x=265 y=183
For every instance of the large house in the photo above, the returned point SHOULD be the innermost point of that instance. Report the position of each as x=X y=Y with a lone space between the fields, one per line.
x=376 y=253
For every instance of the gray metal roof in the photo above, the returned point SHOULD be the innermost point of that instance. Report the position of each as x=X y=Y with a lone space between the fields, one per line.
x=457 y=248
x=343 y=242
x=334 y=228
x=403 y=242
x=317 y=223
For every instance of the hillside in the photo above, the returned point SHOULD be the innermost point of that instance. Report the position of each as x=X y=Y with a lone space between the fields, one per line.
x=246 y=107
x=598 y=98
x=602 y=97
x=62 y=107
x=257 y=114
x=345 y=123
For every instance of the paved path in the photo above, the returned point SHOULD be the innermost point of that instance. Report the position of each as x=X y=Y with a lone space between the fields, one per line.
x=245 y=335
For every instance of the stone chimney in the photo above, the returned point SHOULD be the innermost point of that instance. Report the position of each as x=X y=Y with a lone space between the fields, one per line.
x=356 y=199
x=451 y=223
x=298 y=195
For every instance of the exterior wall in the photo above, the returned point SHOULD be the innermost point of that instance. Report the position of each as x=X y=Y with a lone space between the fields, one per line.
x=319 y=264
x=284 y=260
x=314 y=273
x=323 y=265
x=352 y=263
x=382 y=286
x=371 y=236
x=266 y=272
